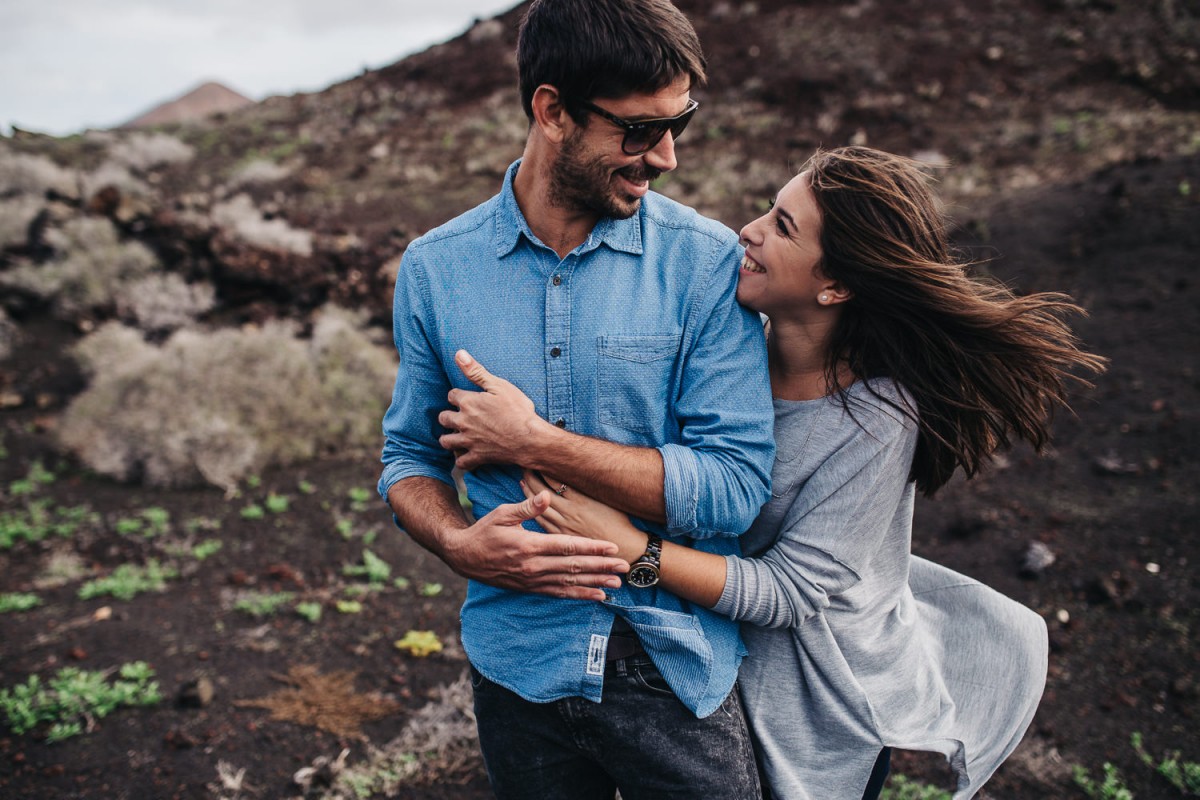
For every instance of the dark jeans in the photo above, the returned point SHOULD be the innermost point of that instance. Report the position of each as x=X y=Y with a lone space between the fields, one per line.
x=640 y=739
x=883 y=765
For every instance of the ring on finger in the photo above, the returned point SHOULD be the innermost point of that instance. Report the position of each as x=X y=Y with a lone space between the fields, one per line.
x=559 y=491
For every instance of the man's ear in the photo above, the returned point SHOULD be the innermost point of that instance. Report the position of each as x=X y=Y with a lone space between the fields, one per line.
x=550 y=114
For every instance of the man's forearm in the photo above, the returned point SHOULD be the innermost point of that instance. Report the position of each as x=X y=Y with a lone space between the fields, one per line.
x=426 y=508
x=622 y=476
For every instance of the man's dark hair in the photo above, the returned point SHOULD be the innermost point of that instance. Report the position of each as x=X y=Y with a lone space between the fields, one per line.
x=605 y=48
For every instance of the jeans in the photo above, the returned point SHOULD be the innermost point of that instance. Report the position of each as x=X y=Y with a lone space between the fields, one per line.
x=639 y=739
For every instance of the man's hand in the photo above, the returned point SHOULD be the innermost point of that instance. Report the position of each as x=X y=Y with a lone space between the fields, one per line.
x=497 y=551
x=488 y=427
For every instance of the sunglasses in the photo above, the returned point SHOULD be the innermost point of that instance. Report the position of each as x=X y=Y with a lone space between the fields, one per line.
x=643 y=134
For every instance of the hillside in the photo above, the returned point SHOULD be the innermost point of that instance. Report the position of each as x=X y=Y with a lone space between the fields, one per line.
x=1070 y=129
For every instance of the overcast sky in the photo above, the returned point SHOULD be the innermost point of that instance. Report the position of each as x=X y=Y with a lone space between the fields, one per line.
x=66 y=65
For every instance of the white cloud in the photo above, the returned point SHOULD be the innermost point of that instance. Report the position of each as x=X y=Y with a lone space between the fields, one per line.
x=72 y=64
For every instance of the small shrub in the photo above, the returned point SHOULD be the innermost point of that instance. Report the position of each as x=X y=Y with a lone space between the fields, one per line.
x=164 y=302
x=218 y=406
x=129 y=580
x=37 y=477
x=431 y=589
x=73 y=696
x=258 y=604
x=22 y=173
x=243 y=221
x=18 y=601
x=92 y=265
x=16 y=215
x=143 y=151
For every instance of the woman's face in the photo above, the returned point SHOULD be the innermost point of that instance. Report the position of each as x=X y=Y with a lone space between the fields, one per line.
x=779 y=275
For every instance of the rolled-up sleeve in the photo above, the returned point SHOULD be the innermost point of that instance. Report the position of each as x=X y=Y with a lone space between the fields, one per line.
x=717 y=477
x=410 y=426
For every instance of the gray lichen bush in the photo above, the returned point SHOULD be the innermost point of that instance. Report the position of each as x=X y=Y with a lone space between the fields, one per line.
x=23 y=173
x=91 y=266
x=118 y=176
x=144 y=151
x=216 y=406
x=164 y=302
x=16 y=214
x=244 y=221
x=259 y=171
x=10 y=335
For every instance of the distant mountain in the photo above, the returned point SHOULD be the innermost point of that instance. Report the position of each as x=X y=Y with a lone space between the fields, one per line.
x=206 y=99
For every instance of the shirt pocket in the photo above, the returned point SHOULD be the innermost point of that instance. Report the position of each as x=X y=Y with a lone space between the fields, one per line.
x=635 y=379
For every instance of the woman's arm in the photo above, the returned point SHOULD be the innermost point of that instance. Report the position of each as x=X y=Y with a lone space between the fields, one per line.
x=691 y=574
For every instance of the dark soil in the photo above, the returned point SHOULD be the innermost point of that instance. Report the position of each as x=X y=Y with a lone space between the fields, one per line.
x=1076 y=122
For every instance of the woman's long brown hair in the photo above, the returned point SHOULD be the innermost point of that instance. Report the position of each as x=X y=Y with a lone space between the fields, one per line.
x=984 y=366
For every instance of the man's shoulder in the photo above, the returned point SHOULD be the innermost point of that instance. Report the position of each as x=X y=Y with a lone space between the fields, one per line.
x=476 y=222
x=670 y=215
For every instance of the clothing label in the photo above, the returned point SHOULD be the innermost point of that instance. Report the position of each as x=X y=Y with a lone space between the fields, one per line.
x=595 y=665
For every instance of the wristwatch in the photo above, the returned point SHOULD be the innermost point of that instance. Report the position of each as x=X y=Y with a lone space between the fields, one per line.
x=643 y=573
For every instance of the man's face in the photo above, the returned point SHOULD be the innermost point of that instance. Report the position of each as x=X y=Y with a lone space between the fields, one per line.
x=592 y=174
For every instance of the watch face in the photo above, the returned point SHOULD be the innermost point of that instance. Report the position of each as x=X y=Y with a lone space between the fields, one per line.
x=642 y=575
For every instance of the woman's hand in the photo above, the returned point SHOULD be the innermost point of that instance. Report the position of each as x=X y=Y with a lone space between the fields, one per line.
x=574 y=513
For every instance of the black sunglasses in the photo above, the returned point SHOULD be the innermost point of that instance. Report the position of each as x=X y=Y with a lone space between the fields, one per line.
x=642 y=135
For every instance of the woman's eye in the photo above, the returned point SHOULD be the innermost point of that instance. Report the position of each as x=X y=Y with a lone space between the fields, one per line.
x=779 y=226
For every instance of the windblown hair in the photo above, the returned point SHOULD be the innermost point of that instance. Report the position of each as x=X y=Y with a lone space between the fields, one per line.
x=605 y=48
x=983 y=365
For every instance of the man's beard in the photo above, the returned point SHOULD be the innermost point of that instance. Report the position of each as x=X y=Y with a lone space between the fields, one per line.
x=585 y=184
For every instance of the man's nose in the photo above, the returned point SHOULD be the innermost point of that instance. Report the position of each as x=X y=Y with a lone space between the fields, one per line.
x=662 y=155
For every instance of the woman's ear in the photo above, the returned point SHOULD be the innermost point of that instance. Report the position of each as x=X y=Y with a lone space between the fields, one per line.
x=833 y=293
x=550 y=114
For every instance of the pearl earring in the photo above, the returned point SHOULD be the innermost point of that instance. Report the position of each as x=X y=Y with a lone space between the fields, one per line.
x=824 y=298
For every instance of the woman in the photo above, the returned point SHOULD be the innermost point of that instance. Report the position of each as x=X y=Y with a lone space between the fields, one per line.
x=891 y=368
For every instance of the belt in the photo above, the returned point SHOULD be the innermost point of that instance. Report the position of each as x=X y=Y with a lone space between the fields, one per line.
x=622 y=642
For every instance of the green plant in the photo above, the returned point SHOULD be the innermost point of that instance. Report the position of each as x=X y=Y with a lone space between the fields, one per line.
x=373 y=568
x=359 y=498
x=276 y=503
x=1111 y=788
x=900 y=787
x=253 y=511
x=38 y=520
x=349 y=607
x=258 y=604
x=73 y=696
x=311 y=611
x=206 y=548
x=345 y=527
x=158 y=520
x=431 y=589
x=202 y=524
x=306 y=487
x=36 y=477
x=127 y=526
x=1184 y=776
x=18 y=601
x=402 y=583
x=129 y=580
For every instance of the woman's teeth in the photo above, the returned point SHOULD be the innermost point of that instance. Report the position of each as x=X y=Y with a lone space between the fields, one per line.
x=751 y=265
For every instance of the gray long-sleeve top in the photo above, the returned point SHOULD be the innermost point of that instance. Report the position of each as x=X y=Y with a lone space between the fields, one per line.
x=854 y=643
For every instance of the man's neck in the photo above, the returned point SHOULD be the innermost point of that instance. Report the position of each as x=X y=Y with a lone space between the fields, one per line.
x=562 y=229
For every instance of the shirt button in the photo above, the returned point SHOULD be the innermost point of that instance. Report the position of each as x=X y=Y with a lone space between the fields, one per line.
x=555 y=352
x=556 y=280
x=560 y=422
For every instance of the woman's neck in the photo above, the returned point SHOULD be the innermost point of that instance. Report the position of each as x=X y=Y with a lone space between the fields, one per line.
x=797 y=358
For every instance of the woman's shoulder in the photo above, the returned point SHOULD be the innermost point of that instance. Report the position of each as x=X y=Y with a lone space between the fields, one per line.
x=881 y=407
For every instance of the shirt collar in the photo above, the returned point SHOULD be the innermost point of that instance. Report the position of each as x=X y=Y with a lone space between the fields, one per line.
x=623 y=235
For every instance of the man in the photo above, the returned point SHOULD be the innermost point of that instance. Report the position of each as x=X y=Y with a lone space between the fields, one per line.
x=613 y=309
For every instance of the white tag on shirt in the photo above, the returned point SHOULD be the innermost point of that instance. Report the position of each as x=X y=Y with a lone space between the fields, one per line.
x=595 y=665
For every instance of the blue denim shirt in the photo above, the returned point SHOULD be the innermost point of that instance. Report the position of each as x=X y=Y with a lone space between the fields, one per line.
x=634 y=337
